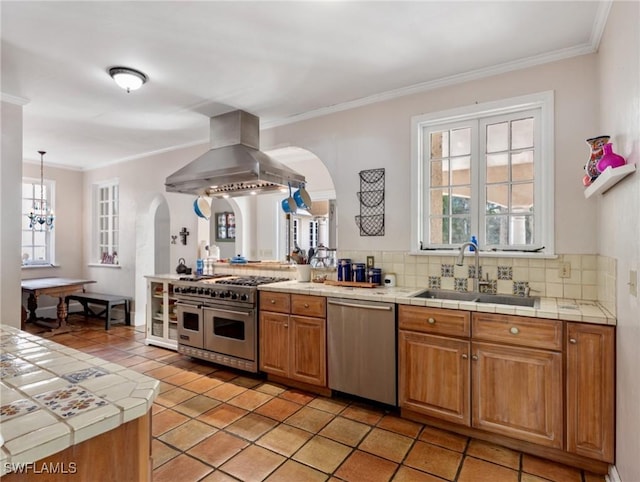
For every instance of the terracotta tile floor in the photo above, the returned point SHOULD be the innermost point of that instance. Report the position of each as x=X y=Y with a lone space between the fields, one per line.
x=215 y=424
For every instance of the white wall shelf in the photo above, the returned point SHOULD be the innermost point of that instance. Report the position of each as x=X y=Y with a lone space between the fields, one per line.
x=608 y=179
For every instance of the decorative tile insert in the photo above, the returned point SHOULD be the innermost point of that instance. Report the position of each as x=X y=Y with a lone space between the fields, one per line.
x=491 y=288
x=472 y=271
x=505 y=272
x=10 y=367
x=520 y=287
x=87 y=373
x=16 y=408
x=435 y=282
x=446 y=271
x=460 y=284
x=70 y=401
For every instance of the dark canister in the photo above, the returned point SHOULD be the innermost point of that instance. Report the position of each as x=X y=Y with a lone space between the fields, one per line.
x=374 y=275
x=344 y=269
x=358 y=271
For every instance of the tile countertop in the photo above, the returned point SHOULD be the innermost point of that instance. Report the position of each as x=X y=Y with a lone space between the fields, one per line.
x=52 y=396
x=556 y=308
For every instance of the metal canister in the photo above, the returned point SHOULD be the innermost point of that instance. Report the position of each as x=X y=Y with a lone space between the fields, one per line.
x=374 y=275
x=359 y=272
x=344 y=269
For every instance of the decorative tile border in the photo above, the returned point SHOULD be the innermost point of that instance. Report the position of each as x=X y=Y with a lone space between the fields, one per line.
x=17 y=407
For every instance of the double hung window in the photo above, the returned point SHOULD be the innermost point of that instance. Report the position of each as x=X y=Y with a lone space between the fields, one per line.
x=485 y=170
x=37 y=243
x=107 y=221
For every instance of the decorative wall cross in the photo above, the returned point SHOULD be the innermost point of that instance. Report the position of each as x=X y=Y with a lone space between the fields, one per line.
x=183 y=235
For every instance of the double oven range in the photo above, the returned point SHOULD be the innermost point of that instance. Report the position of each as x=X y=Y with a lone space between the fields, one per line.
x=218 y=318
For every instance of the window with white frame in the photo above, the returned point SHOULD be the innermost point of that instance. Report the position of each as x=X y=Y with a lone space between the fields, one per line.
x=485 y=170
x=296 y=231
x=313 y=234
x=106 y=222
x=37 y=243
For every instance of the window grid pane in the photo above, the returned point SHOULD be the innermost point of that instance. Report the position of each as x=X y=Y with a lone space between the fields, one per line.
x=36 y=245
x=107 y=222
x=450 y=186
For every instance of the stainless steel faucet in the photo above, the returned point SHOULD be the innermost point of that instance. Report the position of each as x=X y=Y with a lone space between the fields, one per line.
x=460 y=262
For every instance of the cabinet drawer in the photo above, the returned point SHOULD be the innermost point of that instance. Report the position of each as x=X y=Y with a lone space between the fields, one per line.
x=307 y=305
x=278 y=302
x=518 y=330
x=434 y=320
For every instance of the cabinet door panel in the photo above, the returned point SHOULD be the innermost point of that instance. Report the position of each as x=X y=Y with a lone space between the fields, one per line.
x=518 y=392
x=590 y=390
x=434 y=376
x=308 y=350
x=274 y=343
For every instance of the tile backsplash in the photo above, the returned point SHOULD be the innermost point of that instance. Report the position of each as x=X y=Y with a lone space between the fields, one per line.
x=592 y=277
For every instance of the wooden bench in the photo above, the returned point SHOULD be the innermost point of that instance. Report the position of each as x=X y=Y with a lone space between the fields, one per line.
x=108 y=301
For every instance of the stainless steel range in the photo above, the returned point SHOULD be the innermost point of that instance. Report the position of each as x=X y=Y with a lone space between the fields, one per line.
x=218 y=319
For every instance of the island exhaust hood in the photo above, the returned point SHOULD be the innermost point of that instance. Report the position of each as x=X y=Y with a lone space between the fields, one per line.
x=234 y=165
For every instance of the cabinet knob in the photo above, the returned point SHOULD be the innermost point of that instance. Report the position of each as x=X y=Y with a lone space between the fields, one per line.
x=474 y=357
x=306 y=305
x=573 y=341
x=514 y=330
x=465 y=356
x=286 y=325
x=431 y=321
x=273 y=302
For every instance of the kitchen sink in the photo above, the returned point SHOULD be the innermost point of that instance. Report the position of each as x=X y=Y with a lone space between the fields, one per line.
x=511 y=300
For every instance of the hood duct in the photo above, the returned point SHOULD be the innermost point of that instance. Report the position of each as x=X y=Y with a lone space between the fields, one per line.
x=234 y=165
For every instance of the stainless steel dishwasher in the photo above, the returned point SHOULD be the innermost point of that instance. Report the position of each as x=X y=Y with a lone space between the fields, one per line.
x=361 y=343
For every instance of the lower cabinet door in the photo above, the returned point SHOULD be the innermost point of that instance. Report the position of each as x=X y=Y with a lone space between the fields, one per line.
x=590 y=390
x=274 y=343
x=518 y=392
x=434 y=376
x=308 y=341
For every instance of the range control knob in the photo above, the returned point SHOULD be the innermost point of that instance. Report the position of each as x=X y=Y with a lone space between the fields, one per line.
x=213 y=294
x=244 y=297
x=234 y=296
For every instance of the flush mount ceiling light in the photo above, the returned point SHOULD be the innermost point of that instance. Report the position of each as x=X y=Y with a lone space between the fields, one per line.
x=128 y=79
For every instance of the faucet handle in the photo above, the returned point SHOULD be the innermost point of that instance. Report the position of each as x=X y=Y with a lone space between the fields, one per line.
x=528 y=290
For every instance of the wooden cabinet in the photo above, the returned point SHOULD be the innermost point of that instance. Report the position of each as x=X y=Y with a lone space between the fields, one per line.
x=518 y=392
x=517 y=377
x=293 y=337
x=162 y=321
x=498 y=373
x=434 y=376
x=590 y=390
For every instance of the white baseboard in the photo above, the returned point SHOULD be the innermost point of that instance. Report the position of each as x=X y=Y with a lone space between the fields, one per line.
x=613 y=475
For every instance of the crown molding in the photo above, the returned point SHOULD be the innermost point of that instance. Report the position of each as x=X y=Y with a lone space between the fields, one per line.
x=13 y=99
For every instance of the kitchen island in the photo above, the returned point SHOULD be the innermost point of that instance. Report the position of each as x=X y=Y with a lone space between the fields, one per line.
x=70 y=415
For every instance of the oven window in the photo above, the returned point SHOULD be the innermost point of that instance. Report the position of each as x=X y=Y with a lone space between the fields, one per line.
x=228 y=328
x=191 y=321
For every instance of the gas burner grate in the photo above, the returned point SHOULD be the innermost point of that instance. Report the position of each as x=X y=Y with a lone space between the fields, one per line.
x=250 y=281
x=203 y=277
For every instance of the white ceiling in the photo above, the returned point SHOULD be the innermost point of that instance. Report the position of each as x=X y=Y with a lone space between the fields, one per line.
x=281 y=61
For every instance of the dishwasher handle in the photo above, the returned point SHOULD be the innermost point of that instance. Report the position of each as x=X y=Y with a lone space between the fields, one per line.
x=356 y=305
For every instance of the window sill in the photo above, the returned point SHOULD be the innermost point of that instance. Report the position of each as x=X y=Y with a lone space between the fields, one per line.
x=484 y=254
x=40 y=266
x=100 y=265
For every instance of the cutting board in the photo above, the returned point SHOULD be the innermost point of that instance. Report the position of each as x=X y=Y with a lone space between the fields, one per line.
x=353 y=284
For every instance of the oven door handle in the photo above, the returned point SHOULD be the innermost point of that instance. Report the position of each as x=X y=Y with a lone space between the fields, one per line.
x=223 y=310
x=188 y=305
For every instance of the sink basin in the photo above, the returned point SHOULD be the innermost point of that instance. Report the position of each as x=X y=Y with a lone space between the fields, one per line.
x=447 y=295
x=511 y=300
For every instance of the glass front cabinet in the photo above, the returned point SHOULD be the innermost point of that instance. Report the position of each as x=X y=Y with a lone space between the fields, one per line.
x=162 y=319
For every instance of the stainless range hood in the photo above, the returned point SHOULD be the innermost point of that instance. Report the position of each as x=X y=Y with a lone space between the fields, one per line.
x=234 y=165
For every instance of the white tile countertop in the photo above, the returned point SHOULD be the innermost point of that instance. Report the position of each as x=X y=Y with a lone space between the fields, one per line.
x=53 y=397
x=556 y=308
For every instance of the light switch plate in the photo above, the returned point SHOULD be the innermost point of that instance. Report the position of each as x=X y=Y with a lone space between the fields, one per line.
x=564 y=271
x=633 y=282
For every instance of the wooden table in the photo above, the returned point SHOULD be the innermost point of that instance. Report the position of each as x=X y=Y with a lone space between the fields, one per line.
x=60 y=287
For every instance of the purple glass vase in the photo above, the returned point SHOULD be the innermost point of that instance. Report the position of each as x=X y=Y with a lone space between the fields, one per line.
x=609 y=158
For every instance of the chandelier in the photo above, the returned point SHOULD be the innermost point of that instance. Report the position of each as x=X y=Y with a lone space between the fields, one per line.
x=41 y=218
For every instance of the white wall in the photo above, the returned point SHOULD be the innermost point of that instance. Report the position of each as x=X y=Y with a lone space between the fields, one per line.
x=619 y=216
x=379 y=135
x=10 y=208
